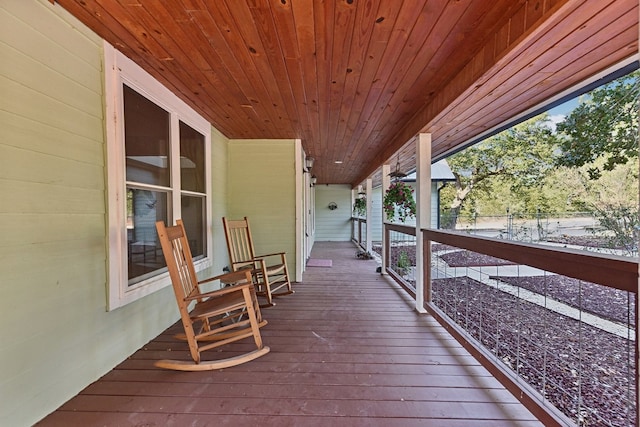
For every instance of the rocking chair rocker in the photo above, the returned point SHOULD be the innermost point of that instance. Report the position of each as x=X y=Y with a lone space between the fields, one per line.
x=219 y=317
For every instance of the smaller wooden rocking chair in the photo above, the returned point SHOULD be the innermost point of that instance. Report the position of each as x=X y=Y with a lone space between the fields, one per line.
x=271 y=279
x=219 y=317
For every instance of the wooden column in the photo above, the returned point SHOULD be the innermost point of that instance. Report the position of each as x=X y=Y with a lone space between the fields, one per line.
x=423 y=214
x=368 y=245
x=386 y=182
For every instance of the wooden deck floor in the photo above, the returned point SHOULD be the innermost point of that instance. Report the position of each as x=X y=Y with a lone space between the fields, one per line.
x=347 y=349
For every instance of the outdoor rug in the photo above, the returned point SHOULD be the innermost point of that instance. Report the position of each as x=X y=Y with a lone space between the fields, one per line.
x=319 y=263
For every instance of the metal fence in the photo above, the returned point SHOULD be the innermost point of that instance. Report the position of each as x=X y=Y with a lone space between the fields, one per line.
x=559 y=322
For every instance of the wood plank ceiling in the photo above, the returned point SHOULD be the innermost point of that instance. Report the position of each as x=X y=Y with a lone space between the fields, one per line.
x=356 y=80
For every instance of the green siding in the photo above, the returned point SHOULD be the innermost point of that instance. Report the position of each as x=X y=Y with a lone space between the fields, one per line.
x=57 y=336
x=333 y=225
x=219 y=200
x=46 y=139
x=261 y=186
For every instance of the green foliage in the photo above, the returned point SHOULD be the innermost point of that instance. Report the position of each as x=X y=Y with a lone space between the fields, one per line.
x=360 y=206
x=621 y=222
x=447 y=218
x=589 y=164
x=399 y=197
x=604 y=125
x=520 y=154
x=403 y=263
x=513 y=162
x=562 y=190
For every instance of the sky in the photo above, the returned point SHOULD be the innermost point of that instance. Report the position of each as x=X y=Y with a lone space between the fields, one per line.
x=557 y=114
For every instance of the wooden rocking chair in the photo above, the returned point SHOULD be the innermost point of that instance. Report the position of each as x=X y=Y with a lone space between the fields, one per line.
x=271 y=279
x=219 y=317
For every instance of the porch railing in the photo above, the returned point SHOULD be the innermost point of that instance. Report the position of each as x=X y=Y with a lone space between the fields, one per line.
x=556 y=326
x=359 y=231
x=401 y=255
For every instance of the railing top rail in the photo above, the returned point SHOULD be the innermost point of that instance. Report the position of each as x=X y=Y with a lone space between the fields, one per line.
x=609 y=270
x=406 y=229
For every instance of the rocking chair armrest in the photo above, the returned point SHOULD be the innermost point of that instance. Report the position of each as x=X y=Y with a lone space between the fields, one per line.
x=218 y=292
x=257 y=257
x=253 y=265
x=227 y=278
x=245 y=262
x=233 y=276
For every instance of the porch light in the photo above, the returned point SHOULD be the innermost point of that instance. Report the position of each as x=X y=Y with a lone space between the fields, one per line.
x=308 y=163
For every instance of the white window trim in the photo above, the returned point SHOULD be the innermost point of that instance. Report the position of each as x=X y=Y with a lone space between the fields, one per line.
x=118 y=70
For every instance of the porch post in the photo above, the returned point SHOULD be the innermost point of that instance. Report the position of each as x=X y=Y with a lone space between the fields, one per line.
x=423 y=212
x=368 y=215
x=300 y=182
x=355 y=232
x=386 y=181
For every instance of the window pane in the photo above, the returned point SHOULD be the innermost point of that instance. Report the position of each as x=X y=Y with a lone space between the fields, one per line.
x=194 y=223
x=191 y=159
x=146 y=133
x=144 y=252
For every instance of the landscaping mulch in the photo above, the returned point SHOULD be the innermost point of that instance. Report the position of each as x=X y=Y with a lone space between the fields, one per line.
x=608 y=303
x=463 y=258
x=560 y=357
x=439 y=247
x=584 y=241
x=586 y=372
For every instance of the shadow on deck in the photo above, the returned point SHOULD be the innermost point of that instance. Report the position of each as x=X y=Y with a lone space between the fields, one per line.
x=347 y=349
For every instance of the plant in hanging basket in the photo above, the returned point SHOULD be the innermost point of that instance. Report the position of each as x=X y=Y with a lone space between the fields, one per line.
x=399 y=197
x=360 y=206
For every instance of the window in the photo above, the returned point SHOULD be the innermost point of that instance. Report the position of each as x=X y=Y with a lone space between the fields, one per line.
x=158 y=170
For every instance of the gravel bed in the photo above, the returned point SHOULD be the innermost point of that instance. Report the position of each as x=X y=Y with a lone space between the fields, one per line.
x=463 y=258
x=557 y=355
x=586 y=241
x=608 y=303
x=587 y=373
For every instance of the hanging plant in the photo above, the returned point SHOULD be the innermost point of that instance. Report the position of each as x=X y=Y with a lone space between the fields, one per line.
x=399 y=197
x=360 y=206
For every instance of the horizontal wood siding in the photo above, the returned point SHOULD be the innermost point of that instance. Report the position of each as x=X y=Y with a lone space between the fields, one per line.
x=261 y=186
x=333 y=225
x=374 y=224
x=219 y=154
x=56 y=334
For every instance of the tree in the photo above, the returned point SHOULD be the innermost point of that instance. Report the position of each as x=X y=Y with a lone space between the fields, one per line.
x=601 y=137
x=613 y=199
x=604 y=124
x=519 y=157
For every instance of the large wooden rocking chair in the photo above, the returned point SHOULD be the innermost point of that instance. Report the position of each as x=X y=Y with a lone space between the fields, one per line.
x=270 y=278
x=219 y=317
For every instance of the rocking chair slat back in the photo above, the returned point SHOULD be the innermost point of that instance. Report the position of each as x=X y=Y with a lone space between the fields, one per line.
x=269 y=277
